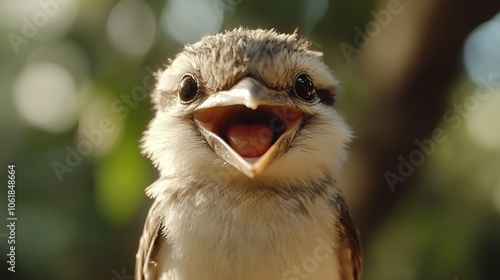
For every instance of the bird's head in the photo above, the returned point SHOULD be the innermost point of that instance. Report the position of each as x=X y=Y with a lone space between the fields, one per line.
x=250 y=105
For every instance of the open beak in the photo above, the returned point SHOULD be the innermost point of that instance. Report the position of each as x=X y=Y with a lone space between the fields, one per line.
x=249 y=125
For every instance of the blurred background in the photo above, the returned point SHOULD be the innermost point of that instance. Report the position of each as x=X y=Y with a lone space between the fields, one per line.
x=420 y=85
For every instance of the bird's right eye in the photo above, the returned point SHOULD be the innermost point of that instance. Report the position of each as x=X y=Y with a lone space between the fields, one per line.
x=188 y=89
x=304 y=88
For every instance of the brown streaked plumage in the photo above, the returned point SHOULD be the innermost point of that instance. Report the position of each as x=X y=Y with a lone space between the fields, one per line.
x=247 y=143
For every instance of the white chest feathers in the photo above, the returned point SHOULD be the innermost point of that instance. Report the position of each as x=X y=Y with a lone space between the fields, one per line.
x=264 y=237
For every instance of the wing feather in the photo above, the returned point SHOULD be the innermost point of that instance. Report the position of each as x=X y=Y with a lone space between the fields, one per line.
x=146 y=266
x=350 y=252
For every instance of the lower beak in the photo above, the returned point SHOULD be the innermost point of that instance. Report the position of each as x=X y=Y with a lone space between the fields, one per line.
x=250 y=125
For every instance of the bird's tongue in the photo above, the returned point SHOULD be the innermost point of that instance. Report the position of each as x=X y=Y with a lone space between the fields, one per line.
x=250 y=140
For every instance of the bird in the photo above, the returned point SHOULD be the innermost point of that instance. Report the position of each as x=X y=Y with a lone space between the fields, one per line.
x=248 y=146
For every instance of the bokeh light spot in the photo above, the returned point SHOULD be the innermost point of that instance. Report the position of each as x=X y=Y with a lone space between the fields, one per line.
x=188 y=20
x=132 y=27
x=45 y=20
x=482 y=53
x=45 y=95
x=483 y=125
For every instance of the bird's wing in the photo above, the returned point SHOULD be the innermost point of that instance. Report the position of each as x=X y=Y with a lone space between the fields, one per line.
x=146 y=266
x=350 y=253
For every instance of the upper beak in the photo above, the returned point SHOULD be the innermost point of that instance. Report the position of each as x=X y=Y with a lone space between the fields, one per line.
x=249 y=125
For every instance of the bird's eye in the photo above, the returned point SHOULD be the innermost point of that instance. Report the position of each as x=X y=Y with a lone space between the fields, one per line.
x=188 y=89
x=304 y=88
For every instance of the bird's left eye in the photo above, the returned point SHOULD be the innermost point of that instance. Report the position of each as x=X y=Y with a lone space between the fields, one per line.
x=304 y=88
x=188 y=89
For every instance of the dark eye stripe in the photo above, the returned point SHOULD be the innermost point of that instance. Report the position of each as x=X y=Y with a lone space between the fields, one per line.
x=327 y=95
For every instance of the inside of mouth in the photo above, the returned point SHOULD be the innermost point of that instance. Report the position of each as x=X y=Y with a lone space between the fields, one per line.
x=249 y=132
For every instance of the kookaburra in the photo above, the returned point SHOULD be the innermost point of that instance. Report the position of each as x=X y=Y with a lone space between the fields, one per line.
x=248 y=145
